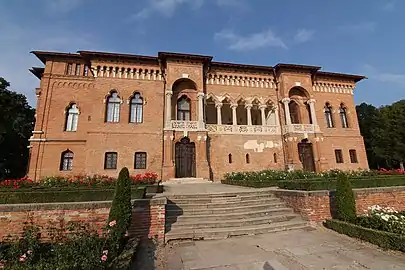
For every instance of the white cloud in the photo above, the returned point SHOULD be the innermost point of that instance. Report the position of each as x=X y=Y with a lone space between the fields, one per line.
x=250 y=42
x=356 y=28
x=386 y=77
x=304 y=35
x=389 y=5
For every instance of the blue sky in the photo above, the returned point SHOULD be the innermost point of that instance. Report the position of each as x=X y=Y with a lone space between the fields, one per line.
x=351 y=36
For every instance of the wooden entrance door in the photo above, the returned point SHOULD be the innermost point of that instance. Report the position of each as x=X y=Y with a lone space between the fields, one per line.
x=185 y=158
x=306 y=154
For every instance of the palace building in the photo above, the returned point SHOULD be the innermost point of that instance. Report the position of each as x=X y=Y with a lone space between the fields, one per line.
x=187 y=116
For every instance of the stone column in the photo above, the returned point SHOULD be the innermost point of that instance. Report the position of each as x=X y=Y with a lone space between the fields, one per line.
x=286 y=101
x=277 y=115
x=219 y=116
x=168 y=116
x=311 y=104
x=263 y=113
x=200 y=97
x=248 y=108
x=234 y=119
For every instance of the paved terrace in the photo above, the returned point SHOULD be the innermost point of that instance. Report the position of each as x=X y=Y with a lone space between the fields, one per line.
x=203 y=188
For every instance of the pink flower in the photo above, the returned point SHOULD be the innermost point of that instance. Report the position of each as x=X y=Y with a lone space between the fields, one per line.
x=23 y=258
x=112 y=223
x=29 y=252
x=104 y=258
x=126 y=234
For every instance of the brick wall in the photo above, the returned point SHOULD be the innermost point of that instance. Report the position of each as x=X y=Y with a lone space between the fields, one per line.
x=148 y=216
x=316 y=206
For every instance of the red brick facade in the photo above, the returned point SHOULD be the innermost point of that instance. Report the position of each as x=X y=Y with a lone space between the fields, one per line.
x=234 y=116
x=148 y=217
x=315 y=206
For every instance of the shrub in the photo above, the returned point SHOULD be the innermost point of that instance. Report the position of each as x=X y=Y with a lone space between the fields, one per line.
x=121 y=209
x=383 y=239
x=344 y=198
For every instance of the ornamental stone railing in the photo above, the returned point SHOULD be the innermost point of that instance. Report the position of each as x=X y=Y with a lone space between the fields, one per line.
x=243 y=129
x=300 y=128
x=184 y=125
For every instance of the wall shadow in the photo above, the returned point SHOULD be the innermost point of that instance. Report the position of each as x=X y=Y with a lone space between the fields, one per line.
x=332 y=204
x=267 y=266
x=173 y=211
x=208 y=151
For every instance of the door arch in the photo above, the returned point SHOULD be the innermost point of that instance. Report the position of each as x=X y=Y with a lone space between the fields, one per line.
x=185 y=158
x=306 y=154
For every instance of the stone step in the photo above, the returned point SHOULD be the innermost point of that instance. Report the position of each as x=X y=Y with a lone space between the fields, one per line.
x=230 y=215
x=221 y=199
x=222 y=233
x=174 y=210
x=187 y=180
x=242 y=222
x=247 y=192
x=225 y=204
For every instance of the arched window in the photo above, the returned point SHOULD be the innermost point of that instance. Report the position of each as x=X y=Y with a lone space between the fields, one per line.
x=247 y=158
x=136 y=109
x=230 y=158
x=183 y=109
x=294 y=112
x=343 y=116
x=328 y=115
x=113 y=108
x=72 y=117
x=66 y=161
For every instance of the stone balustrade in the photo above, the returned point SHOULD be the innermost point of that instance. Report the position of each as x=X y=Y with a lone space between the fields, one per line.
x=244 y=81
x=127 y=73
x=243 y=129
x=300 y=128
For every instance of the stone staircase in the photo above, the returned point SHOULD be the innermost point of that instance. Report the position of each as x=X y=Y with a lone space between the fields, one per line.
x=223 y=215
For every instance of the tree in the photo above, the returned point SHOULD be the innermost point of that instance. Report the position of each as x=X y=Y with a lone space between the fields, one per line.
x=17 y=119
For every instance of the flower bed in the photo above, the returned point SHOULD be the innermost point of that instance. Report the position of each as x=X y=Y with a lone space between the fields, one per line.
x=302 y=180
x=382 y=226
x=82 y=181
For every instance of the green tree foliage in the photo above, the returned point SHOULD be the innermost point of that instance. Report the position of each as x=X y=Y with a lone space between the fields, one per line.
x=16 y=125
x=384 y=134
x=121 y=209
x=344 y=198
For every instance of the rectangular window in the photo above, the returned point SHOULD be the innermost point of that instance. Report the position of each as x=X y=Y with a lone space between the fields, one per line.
x=339 y=156
x=353 y=156
x=69 y=69
x=140 y=160
x=77 y=71
x=110 y=160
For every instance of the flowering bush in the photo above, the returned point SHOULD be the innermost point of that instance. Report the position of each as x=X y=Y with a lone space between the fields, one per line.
x=383 y=219
x=76 y=181
x=391 y=172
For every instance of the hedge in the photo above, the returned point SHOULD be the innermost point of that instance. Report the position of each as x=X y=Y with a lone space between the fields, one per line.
x=249 y=183
x=71 y=195
x=307 y=185
x=383 y=239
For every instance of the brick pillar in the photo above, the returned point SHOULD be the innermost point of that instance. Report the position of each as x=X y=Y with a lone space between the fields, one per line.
x=201 y=156
x=168 y=150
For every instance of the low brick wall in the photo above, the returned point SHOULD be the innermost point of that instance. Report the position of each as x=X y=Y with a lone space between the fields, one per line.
x=148 y=216
x=316 y=206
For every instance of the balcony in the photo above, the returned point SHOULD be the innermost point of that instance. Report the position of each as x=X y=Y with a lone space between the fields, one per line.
x=301 y=128
x=243 y=129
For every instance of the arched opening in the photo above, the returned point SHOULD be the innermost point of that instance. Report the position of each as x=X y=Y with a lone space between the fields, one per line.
x=309 y=113
x=306 y=155
x=230 y=158
x=185 y=95
x=294 y=112
x=270 y=112
x=275 y=158
x=241 y=112
x=247 y=157
x=210 y=111
x=66 y=161
x=256 y=113
x=299 y=112
x=72 y=117
x=343 y=116
x=136 y=108
x=113 y=107
x=328 y=115
x=185 y=158
x=183 y=109
x=226 y=112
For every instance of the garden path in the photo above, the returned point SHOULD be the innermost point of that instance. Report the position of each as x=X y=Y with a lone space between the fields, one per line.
x=301 y=249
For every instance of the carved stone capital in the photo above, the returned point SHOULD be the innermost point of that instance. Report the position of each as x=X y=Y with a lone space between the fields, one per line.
x=200 y=94
x=248 y=106
x=169 y=93
x=286 y=100
x=218 y=105
x=234 y=105
x=262 y=107
x=311 y=101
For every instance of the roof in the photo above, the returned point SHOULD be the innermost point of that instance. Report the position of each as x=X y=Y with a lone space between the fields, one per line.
x=37 y=71
x=123 y=56
x=168 y=55
x=44 y=55
x=295 y=66
x=355 y=78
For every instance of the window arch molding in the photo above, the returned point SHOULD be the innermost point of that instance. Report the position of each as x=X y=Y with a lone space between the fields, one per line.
x=113 y=106
x=343 y=111
x=183 y=106
x=72 y=112
x=136 y=107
